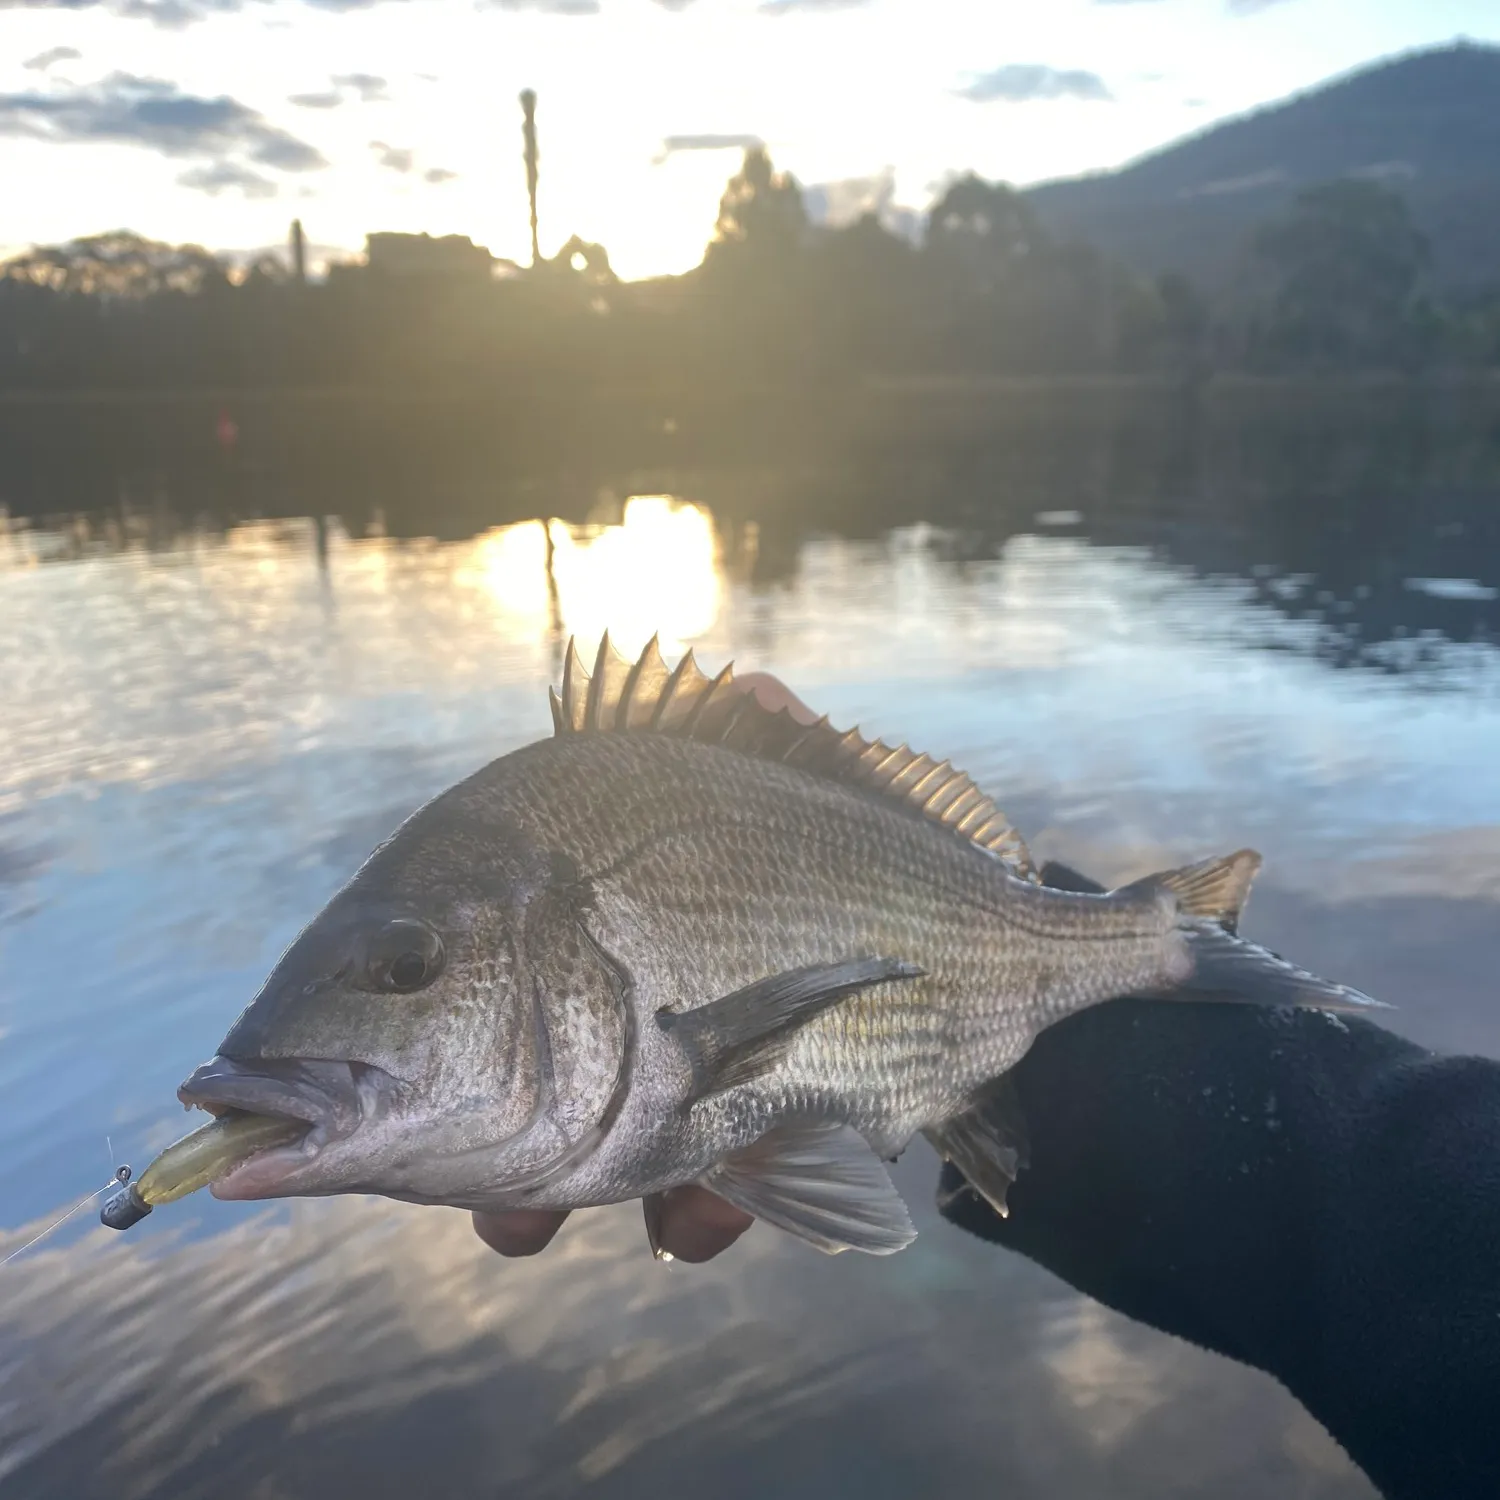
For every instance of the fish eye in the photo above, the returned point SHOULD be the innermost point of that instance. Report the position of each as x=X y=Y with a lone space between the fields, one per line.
x=408 y=972
x=402 y=957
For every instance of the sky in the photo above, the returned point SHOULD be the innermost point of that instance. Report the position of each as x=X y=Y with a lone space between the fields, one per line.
x=218 y=121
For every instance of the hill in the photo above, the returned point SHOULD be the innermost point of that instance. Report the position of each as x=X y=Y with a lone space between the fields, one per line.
x=1426 y=124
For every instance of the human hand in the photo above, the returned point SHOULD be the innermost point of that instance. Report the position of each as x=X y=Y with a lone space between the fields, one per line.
x=1306 y=1193
x=687 y=1223
x=1175 y=1151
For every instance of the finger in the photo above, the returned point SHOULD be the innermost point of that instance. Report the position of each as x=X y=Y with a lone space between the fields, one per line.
x=696 y=1225
x=773 y=694
x=522 y=1231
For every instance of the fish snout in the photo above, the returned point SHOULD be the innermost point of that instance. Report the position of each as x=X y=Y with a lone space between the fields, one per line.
x=334 y=1096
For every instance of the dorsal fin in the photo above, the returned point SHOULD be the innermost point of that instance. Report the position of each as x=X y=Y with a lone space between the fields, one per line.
x=686 y=703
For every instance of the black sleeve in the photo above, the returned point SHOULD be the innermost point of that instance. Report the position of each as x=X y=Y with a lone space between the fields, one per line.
x=1308 y=1194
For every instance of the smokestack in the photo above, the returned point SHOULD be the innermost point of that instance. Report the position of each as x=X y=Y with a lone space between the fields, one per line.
x=299 y=253
x=528 y=135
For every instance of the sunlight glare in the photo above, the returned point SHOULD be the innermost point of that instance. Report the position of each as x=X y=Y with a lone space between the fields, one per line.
x=511 y=563
x=658 y=572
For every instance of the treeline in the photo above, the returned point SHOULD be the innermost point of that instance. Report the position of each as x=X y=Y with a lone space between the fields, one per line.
x=1338 y=283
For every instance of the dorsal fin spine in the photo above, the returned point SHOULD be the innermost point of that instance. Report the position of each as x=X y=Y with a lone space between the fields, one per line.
x=695 y=713
x=911 y=776
x=596 y=686
x=605 y=688
x=962 y=807
x=627 y=694
x=737 y=714
x=622 y=697
x=683 y=668
x=575 y=702
x=804 y=740
x=979 y=810
x=949 y=792
x=921 y=786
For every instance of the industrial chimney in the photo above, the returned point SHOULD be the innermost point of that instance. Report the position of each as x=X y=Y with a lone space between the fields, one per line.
x=528 y=135
x=299 y=253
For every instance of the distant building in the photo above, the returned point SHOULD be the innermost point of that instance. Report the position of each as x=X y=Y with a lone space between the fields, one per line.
x=299 y=252
x=450 y=255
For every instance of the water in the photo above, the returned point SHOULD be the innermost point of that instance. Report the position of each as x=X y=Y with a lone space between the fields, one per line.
x=207 y=726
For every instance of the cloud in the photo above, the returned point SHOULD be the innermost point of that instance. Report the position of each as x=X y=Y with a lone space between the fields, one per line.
x=549 y=7
x=173 y=15
x=369 y=86
x=438 y=175
x=169 y=14
x=44 y=60
x=673 y=144
x=1020 y=83
x=154 y=114
x=786 y=7
x=1234 y=7
x=225 y=176
x=394 y=158
x=176 y=14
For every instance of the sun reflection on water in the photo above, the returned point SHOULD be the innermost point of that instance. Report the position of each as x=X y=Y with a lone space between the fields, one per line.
x=658 y=571
x=655 y=572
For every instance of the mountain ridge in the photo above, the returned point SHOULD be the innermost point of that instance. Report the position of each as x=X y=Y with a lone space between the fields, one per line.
x=1426 y=123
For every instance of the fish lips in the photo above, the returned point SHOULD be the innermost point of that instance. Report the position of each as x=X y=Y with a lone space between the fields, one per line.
x=334 y=1097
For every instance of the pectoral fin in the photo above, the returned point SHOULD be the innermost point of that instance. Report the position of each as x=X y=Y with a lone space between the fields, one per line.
x=732 y=1040
x=987 y=1143
x=820 y=1182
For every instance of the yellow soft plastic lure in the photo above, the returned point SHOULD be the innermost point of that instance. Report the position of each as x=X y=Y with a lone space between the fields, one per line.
x=198 y=1159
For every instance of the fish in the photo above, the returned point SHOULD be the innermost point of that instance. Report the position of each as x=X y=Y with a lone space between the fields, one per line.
x=689 y=939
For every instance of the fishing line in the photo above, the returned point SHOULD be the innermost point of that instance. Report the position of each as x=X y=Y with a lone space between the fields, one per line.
x=122 y=1175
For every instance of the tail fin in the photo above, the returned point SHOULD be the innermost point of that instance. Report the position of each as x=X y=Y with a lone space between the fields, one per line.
x=1210 y=897
x=1226 y=967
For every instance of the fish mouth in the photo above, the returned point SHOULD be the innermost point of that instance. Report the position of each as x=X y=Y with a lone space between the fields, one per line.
x=333 y=1097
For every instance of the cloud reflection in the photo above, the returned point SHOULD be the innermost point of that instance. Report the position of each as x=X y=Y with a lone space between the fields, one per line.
x=386 y=1347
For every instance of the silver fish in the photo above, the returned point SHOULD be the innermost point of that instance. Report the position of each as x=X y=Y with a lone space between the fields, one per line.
x=691 y=940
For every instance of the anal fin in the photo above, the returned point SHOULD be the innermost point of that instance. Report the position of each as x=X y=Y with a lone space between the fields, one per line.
x=987 y=1143
x=820 y=1182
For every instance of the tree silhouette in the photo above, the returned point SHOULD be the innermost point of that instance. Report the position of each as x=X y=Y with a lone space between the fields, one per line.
x=1003 y=295
x=116 y=264
x=865 y=295
x=762 y=224
x=778 y=302
x=987 y=227
x=1343 y=269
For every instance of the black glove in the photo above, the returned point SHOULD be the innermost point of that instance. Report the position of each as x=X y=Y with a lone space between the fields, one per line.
x=1310 y=1195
